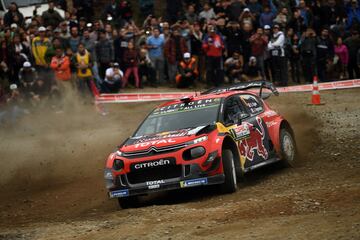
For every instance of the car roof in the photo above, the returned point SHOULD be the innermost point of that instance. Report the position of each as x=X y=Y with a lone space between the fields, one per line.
x=207 y=96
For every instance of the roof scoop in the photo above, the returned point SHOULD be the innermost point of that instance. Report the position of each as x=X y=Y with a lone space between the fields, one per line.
x=187 y=99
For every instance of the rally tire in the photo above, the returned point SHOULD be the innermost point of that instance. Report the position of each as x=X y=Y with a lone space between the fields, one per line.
x=230 y=184
x=288 y=148
x=128 y=202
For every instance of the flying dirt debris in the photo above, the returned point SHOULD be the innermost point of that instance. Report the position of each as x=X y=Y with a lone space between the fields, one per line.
x=52 y=181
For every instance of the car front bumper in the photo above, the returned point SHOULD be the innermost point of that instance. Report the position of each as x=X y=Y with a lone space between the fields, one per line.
x=164 y=185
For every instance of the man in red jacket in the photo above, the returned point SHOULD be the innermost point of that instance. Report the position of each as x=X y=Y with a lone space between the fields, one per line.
x=213 y=46
x=60 y=63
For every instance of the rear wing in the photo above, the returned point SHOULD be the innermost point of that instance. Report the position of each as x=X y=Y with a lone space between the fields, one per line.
x=246 y=86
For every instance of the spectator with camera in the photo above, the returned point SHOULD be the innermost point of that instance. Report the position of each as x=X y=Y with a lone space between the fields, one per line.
x=276 y=48
x=155 y=44
x=259 y=43
x=113 y=79
x=146 y=69
x=213 y=47
x=131 y=61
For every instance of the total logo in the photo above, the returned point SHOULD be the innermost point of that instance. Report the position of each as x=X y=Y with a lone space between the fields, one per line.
x=154 y=184
x=155 y=142
x=160 y=162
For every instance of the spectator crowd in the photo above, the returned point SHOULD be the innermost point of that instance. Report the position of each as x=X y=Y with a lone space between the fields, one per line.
x=213 y=42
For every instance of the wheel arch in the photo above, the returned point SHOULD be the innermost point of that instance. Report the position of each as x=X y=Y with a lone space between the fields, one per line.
x=229 y=143
x=274 y=133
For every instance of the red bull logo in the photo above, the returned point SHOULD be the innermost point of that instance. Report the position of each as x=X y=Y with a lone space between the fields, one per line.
x=254 y=142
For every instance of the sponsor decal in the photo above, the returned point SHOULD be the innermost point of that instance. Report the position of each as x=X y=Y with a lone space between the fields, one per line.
x=203 y=103
x=119 y=193
x=270 y=113
x=270 y=124
x=154 y=184
x=240 y=132
x=194 y=182
x=255 y=142
x=152 y=164
x=154 y=142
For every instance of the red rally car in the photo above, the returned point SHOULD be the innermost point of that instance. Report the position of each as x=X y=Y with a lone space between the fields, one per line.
x=213 y=138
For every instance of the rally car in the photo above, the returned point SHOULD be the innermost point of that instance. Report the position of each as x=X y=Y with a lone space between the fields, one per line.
x=212 y=138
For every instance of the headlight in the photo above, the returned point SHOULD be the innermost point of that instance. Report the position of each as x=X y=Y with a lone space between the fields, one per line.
x=119 y=153
x=194 y=153
x=197 y=140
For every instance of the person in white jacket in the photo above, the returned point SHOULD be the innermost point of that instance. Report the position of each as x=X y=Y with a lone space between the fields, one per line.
x=276 y=48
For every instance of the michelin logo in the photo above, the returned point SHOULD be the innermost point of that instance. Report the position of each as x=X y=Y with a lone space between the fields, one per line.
x=194 y=182
x=119 y=193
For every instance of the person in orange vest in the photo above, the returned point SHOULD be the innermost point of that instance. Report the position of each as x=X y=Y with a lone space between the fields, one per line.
x=83 y=63
x=187 y=72
x=60 y=63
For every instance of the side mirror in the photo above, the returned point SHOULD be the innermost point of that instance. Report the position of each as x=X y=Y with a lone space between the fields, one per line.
x=239 y=121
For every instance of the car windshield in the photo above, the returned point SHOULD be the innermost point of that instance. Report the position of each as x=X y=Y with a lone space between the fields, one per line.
x=180 y=116
x=24 y=3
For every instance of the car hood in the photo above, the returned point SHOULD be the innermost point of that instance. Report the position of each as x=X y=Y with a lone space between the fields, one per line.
x=160 y=140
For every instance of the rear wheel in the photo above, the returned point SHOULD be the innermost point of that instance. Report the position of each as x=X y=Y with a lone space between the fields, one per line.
x=288 y=148
x=128 y=202
x=230 y=184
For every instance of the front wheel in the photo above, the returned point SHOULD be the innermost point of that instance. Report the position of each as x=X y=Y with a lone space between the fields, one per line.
x=288 y=148
x=230 y=184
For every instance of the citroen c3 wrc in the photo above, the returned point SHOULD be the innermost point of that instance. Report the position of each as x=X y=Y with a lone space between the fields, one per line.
x=213 y=138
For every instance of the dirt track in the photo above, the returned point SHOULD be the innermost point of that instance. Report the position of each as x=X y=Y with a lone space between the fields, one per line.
x=52 y=184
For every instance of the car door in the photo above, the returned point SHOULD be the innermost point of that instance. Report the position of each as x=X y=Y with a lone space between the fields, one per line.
x=255 y=147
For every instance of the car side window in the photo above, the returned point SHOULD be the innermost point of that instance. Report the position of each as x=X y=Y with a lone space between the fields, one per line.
x=234 y=110
x=254 y=105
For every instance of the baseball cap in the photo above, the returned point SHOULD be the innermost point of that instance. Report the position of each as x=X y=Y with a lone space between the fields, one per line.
x=13 y=87
x=57 y=30
x=14 y=25
x=187 y=55
x=267 y=27
x=252 y=58
x=42 y=29
x=27 y=64
x=116 y=64
x=246 y=10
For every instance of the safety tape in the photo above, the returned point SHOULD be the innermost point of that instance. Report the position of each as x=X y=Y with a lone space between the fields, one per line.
x=152 y=97
x=141 y=97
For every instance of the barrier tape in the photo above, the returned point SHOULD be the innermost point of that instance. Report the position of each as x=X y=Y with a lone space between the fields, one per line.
x=151 y=97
